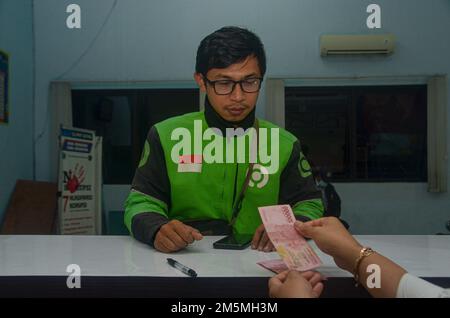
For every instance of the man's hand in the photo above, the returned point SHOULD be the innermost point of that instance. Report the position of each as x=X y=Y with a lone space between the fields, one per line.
x=261 y=241
x=293 y=284
x=174 y=236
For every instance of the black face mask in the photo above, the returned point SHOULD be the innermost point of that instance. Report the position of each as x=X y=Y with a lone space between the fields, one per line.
x=214 y=120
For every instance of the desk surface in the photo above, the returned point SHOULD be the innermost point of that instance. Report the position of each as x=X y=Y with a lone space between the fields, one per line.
x=106 y=256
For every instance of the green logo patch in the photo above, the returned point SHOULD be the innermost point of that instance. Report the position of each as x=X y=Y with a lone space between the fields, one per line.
x=304 y=167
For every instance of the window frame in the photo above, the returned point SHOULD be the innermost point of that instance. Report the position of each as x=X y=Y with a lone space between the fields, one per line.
x=60 y=101
x=436 y=121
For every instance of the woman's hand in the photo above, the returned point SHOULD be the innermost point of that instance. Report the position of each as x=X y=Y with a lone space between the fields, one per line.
x=293 y=284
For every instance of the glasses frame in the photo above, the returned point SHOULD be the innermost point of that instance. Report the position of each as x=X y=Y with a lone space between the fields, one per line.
x=213 y=84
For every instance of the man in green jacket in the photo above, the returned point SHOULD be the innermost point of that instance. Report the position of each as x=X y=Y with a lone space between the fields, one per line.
x=196 y=176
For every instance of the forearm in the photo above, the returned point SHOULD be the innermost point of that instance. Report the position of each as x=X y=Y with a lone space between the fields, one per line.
x=389 y=277
x=145 y=226
x=311 y=209
x=298 y=188
x=147 y=204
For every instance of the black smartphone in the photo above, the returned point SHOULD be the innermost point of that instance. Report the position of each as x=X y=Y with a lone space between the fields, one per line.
x=234 y=242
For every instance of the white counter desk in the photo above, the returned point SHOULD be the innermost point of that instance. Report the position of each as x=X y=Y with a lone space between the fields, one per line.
x=121 y=266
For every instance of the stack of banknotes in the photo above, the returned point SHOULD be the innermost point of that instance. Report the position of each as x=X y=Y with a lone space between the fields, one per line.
x=295 y=252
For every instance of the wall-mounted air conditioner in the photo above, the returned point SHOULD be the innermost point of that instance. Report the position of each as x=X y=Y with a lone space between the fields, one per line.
x=357 y=44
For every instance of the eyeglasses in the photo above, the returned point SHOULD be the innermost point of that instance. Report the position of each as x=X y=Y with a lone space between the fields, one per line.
x=225 y=87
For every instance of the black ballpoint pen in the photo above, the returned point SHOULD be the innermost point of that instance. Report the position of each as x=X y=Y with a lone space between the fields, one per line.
x=184 y=269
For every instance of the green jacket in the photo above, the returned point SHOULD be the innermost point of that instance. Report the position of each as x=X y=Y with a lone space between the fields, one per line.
x=193 y=188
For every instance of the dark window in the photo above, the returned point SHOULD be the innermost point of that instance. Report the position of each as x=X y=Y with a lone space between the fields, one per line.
x=123 y=118
x=373 y=133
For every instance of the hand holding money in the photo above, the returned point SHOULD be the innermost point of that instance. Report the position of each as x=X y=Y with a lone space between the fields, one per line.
x=294 y=250
x=332 y=238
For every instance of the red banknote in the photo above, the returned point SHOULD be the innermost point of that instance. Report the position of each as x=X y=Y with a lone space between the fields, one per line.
x=294 y=250
x=275 y=265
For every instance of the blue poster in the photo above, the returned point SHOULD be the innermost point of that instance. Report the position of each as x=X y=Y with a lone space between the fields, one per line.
x=4 y=86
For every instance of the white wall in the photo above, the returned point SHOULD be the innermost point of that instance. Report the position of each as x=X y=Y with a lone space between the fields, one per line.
x=16 y=156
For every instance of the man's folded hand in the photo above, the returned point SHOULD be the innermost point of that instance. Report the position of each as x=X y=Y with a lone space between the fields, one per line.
x=174 y=236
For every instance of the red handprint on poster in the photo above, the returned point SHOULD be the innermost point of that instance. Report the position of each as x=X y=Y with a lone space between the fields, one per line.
x=75 y=178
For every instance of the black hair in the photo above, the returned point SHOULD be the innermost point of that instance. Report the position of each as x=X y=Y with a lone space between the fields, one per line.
x=227 y=46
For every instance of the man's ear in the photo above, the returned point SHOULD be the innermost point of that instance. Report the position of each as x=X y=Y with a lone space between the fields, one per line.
x=200 y=82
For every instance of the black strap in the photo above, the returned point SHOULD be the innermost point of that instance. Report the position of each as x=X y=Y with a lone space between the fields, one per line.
x=237 y=206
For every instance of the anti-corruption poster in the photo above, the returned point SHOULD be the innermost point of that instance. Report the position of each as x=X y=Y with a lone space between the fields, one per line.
x=78 y=182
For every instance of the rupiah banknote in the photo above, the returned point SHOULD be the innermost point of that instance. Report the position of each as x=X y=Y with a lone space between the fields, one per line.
x=294 y=250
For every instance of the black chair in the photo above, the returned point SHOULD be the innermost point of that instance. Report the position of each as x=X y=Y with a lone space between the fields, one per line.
x=332 y=202
x=447 y=225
